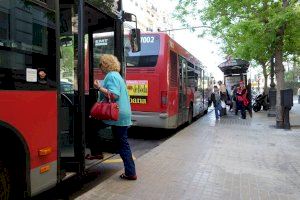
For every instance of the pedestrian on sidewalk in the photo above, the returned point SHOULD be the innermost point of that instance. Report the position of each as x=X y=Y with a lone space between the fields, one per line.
x=249 y=98
x=241 y=100
x=216 y=99
x=223 y=91
x=234 y=89
x=115 y=85
x=233 y=99
x=298 y=96
x=223 y=96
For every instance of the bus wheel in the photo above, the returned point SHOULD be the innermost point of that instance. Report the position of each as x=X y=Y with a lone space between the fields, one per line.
x=190 y=117
x=5 y=187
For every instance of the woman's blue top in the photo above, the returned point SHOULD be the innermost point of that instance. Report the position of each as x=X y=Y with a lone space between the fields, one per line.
x=116 y=85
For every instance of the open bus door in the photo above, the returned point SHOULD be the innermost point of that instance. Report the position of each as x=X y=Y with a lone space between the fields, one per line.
x=182 y=91
x=79 y=22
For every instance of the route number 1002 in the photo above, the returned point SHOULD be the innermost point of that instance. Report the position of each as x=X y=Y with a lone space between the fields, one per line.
x=147 y=39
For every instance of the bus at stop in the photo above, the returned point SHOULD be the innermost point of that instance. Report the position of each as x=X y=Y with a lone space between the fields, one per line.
x=46 y=89
x=167 y=85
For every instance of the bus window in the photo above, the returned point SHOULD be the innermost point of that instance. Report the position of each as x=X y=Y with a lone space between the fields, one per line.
x=200 y=81
x=104 y=43
x=67 y=65
x=147 y=57
x=27 y=47
x=173 y=69
x=191 y=75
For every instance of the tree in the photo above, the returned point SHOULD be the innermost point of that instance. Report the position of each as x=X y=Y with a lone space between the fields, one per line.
x=253 y=30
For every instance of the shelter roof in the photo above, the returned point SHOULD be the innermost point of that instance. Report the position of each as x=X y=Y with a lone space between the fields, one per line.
x=234 y=66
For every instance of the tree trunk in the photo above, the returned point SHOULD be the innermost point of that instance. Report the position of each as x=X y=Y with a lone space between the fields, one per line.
x=263 y=64
x=279 y=71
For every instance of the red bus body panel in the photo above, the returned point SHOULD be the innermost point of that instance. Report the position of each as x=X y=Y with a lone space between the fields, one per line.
x=24 y=110
x=158 y=80
x=153 y=98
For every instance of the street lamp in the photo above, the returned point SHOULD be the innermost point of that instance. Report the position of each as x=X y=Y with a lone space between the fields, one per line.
x=272 y=92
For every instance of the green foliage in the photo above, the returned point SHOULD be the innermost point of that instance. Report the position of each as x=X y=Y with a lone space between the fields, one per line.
x=293 y=72
x=248 y=28
x=106 y=5
x=67 y=57
x=293 y=85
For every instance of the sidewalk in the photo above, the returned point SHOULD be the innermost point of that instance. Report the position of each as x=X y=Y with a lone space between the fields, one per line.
x=227 y=159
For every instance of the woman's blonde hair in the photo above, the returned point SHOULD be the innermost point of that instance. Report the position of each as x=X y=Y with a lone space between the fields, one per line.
x=109 y=63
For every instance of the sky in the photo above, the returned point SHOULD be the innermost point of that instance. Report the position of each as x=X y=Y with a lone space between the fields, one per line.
x=205 y=49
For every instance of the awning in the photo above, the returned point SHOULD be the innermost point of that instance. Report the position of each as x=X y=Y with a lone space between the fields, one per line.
x=234 y=66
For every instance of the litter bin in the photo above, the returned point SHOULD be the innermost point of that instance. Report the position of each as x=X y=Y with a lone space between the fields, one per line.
x=287 y=104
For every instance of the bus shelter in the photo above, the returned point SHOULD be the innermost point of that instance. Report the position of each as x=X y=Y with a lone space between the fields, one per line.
x=234 y=70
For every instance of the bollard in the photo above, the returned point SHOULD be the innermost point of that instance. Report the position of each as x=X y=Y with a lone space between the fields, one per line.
x=286 y=118
x=287 y=104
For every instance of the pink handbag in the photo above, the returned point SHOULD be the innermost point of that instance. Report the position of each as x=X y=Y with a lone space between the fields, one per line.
x=105 y=110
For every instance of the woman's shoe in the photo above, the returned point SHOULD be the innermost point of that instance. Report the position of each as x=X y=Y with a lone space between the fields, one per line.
x=131 y=178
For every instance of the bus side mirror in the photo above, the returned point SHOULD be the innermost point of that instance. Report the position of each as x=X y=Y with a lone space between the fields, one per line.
x=135 y=40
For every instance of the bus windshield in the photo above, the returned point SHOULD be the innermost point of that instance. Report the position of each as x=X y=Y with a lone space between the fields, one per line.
x=148 y=55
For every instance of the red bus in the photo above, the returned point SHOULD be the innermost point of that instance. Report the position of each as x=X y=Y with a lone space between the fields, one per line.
x=45 y=94
x=167 y=85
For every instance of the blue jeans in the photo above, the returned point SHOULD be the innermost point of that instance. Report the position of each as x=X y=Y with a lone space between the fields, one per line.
x=120 y=132
x=218 y=109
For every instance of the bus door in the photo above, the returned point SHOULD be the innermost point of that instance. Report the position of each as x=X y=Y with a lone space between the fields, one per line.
x=201 y=89
x=79 y=22
x=68 y=84
x=182 y=96
x=101 y=39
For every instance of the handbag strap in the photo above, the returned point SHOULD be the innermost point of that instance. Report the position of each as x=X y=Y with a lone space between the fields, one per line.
x=109 y=96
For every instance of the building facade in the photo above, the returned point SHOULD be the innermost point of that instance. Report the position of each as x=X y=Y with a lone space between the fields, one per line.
x=151 y=18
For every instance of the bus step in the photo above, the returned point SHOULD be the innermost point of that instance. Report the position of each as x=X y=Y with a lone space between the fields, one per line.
x=69 y=175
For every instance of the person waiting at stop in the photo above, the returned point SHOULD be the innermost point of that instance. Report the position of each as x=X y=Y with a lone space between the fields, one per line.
x=223 y=91
x=298 y=92
x=216 y=99
x=241 y=99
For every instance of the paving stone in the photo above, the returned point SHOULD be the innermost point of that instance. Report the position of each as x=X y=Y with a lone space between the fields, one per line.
x=227 y=159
